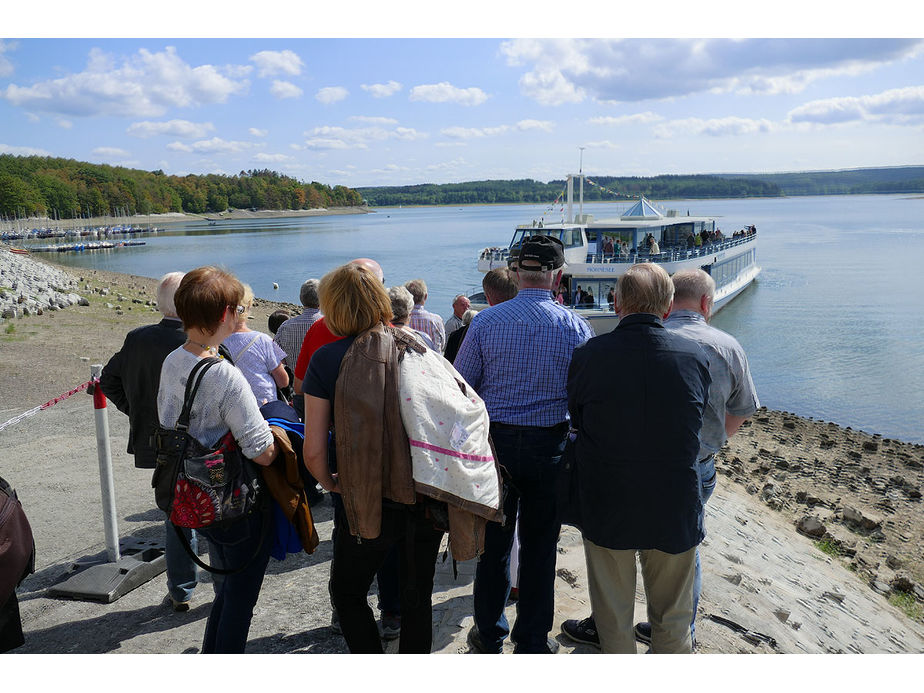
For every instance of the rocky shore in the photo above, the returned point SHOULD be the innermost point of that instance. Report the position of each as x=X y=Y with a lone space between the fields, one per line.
x=814 y=533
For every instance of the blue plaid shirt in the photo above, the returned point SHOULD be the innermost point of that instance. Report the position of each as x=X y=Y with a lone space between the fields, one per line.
x=516 y=355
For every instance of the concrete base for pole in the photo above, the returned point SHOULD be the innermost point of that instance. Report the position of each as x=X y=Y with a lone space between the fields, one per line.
x=94 y=578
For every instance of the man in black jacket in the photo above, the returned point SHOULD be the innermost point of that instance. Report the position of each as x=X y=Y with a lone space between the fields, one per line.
x=130 y=380
x=635 y=487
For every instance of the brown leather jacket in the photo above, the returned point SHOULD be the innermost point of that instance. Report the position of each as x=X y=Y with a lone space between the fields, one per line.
x=373 y=454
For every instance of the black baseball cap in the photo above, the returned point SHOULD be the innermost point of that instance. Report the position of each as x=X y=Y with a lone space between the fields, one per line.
x=547 y=251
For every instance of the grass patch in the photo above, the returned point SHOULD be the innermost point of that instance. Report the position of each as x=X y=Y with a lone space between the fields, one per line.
x=906 y=602
x=830 y=547
x=10 y=329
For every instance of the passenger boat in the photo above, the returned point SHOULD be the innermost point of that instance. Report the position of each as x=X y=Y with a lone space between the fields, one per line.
x=599 y=251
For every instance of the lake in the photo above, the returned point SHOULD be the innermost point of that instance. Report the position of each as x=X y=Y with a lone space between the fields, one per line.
x=833 y=327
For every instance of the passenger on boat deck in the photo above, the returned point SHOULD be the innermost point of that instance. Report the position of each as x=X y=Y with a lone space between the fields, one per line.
x=623 y=473
x=516 y=356
x=422 y=319
x=690 y=242
x=608 y=246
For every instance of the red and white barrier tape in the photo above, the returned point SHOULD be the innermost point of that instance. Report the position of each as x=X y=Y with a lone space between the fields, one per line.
x=49 y=403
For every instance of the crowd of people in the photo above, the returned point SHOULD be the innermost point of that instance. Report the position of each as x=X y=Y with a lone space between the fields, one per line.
x=573 y=440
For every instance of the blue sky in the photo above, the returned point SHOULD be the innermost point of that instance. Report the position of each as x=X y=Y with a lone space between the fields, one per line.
x=391 y=111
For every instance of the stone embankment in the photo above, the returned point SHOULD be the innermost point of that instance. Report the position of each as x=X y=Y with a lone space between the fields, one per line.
x=28 y=287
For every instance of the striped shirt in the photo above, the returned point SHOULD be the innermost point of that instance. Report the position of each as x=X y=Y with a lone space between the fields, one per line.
x=516 y=355
x=429 y=323
x=291 y=334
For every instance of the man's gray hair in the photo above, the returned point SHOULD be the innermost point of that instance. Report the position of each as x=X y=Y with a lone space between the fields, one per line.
x=402 y=303
x=468 y=315
x=308 y=294
x=418 y=289
x=166 y=288
x=690 y=284
x=644 y=288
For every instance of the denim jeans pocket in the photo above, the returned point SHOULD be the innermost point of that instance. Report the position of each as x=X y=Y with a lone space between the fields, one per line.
x=707 y=478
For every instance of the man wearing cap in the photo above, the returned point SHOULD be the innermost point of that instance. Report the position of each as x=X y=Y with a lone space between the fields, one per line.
x=516 y=355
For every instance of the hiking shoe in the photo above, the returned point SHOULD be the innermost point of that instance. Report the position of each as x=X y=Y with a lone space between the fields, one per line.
x=177 y=606
x=474 y=642
x=582 y=631
x=643 y=632
x=391 y=626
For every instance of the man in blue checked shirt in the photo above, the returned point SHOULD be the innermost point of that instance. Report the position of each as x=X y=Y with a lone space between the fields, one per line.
x=516 y=355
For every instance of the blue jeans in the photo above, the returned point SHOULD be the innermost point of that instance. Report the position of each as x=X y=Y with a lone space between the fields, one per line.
x=232 y=610
x=531 y=456
x=706 y=469
x=182 y=575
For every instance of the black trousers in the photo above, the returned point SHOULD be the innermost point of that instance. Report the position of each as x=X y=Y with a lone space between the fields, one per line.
x=355 y=564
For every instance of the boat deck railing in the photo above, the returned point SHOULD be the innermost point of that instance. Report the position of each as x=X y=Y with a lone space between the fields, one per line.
x=669 y=254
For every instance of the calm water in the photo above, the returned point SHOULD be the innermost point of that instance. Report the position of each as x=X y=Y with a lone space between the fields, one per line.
x=834 y=326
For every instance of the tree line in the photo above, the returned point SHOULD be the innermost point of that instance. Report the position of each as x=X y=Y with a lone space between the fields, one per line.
x=602 y=188
x=67 y=189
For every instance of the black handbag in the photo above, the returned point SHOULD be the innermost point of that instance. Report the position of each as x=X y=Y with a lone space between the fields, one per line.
x=200 y=487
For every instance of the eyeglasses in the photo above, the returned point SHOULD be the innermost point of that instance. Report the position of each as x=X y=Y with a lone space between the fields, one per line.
x=237 y=309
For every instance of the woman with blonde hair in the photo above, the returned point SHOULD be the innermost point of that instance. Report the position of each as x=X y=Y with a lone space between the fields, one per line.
x=209 y=301
x=351 y=390
x=257 y=355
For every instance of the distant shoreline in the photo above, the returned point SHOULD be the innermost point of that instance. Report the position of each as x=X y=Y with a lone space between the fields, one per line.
x=183 y=217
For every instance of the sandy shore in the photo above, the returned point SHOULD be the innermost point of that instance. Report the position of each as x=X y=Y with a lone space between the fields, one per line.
x=815 y=531
x=159 y=220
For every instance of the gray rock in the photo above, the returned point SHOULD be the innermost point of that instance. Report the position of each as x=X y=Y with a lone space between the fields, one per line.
x=811 y=526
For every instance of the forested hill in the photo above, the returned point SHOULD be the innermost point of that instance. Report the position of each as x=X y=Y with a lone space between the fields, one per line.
x=596 y=188
x=899 y=179
x=895 y=179
x=65 y=188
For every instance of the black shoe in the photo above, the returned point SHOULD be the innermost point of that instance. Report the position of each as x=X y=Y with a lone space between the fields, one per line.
x=474 y=642
x=551 y=647
x=643 y=632
x=583 y=631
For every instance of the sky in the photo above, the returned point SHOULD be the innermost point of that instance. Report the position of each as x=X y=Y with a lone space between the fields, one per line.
x=376 y=102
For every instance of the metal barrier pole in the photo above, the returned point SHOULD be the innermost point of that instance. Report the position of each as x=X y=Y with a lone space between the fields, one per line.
x=107 y=487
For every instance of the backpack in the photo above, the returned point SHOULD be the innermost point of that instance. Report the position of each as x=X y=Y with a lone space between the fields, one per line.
x=17 y=546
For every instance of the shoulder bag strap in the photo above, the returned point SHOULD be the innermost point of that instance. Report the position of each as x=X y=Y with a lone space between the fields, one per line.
x=249 y=344
x=192 y=386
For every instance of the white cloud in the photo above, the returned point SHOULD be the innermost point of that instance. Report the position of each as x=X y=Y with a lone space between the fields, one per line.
x=111 y=152
x=896 y=106
x=257 y=132
x=715 y=127
x=173 y=128
x=64 y=123
x=144 y=84
x=215 y=145
x=444 y=92
x=328 y=95
x=633 y=119
x=463 y=133
x=335 y=137
x=382 y=91
x=23 y=151
x=529 y=124
x=285 y=90
x=602 y=144
x=626 y=70
x=375 y=120
x=277 y=62
x=272 y=158
x=6 y=66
